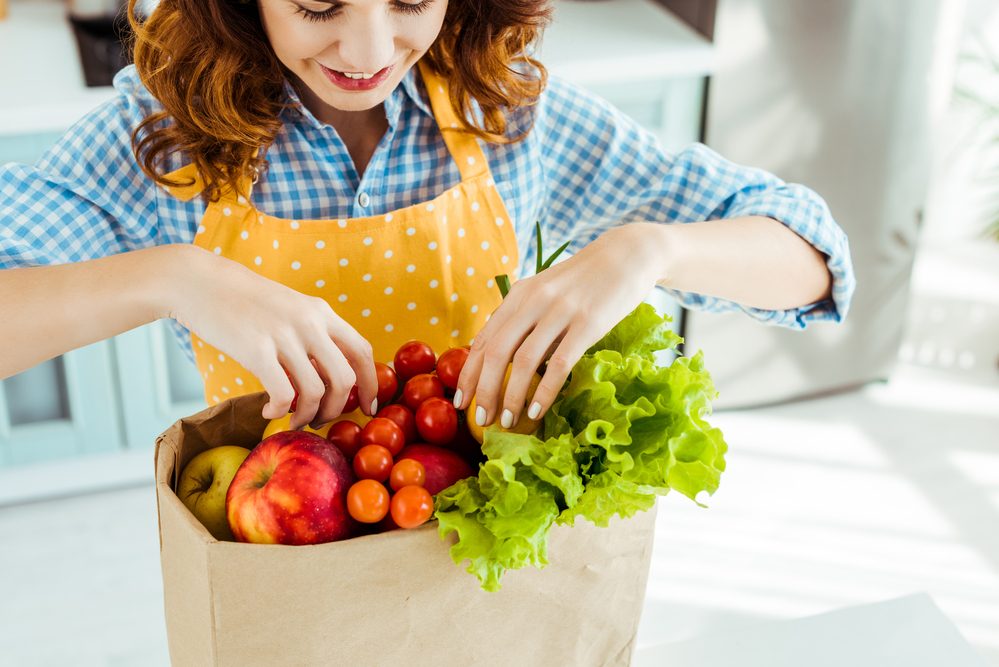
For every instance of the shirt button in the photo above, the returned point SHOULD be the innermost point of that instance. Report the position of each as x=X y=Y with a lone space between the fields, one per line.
x=363 y=199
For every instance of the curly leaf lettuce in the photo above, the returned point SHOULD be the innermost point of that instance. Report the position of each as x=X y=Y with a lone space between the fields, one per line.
x=623 y=431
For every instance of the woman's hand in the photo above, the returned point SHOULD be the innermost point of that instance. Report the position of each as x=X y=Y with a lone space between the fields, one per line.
x=561 y=311
x=276 y=332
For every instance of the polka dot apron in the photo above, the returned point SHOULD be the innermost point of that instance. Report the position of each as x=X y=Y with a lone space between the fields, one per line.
x=425 y=271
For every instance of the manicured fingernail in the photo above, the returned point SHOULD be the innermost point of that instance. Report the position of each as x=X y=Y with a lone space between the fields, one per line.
x=480 y=416
x=535 y=410
x=457 y=398
x=374 y=406
x=507 y=419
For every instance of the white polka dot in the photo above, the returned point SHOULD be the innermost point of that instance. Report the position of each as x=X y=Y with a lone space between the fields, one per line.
x=461 y=233
x=471 y=160
x=225 y=390
x=275 y=244
x=217 y=251
x=434 y=320
x=410 y=306
x=201 y=343
x=440 y=89
x=341 y=223
x=485 y=245
x=320 y=245
x=389 y=327
x=296 y=265
x=454 y=126
x=448 y=259
x=388 y=290
x=342 y=298
x=320 y=283
x=388 y=217
x=241 y=199
x=211 y=368
x=388 y=254
x=222 y=357
x=294 y=224
x=432 y=245
x=444 y=219
x=499 y=222
x=475 y=206
x=490 y=284
x=410 y=231
x=227 y=211
x=344 y=262
x=368 y=240
x=239 y=381
x=216 y=399
x=201 y=229
x=434 y=283
x=469 y=271
x=454 y=297
x=411 y=268
x=430 y=206
x=258 y=260
x=475 y=309
x=366 y=277
x=455 y=194
x=454 y=334
x=366 y=312
x=244 y=235
x=490 y=182
x=260 y=218
x=504 y=259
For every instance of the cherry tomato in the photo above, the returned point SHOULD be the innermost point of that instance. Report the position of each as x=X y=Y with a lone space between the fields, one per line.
x=420 y=388
x=368 y=501
x=407 y=472
x=352 y=401
x=388 y=383
x=402 y=416
x=373 y=462
x=345 y=435
x=384 y=432
x=437 y=421
x=449 y=366
x=413 y=358
x=411 y=506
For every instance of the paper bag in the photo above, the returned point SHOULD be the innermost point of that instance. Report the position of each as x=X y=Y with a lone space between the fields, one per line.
x=390 y=598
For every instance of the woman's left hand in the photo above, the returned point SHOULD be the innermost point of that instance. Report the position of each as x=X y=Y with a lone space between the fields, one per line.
x=561 y=311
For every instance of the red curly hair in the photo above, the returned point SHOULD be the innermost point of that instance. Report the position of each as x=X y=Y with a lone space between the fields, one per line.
x=211 y=66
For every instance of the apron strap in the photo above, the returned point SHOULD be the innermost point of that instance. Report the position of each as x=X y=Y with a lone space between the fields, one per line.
x=190 y=173
x=464 y=145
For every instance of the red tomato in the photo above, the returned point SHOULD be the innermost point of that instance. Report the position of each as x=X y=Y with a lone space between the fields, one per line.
x=346 y=436
x=402 y=416
x=408 y=472
x=368 y=501
x=388 y=383
x=449 y=366
x=352 y=401
x=411 y=506
x=384 y=432
x=420 y=388
x=437 y=421
x=413 y=358
x=373 y=462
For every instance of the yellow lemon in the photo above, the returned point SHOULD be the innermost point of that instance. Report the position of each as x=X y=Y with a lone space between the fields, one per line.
x=284 y=424
x=524 y=425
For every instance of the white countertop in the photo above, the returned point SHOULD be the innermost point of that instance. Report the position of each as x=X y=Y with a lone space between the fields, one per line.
x=591 y=42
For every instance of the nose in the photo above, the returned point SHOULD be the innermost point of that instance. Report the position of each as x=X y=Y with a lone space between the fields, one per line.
x=368 y=43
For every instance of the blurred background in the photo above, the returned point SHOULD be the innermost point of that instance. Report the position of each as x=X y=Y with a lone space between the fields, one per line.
x=864 y=457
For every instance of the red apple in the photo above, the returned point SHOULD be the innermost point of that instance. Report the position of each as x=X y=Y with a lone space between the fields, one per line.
x=291 y=489
x=443 y=467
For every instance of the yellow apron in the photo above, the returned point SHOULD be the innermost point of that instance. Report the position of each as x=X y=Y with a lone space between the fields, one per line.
x=425 y=271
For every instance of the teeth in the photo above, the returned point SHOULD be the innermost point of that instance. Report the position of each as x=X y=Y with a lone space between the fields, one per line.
x=357 y=75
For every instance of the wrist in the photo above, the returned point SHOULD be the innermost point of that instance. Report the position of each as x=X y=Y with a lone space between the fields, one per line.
x=664 y=242
x=173 y=269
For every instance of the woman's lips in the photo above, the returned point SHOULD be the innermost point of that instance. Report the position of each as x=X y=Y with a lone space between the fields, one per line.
x=346 y=83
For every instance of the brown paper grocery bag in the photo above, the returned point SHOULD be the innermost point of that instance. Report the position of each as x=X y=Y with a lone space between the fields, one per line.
x=392 y=598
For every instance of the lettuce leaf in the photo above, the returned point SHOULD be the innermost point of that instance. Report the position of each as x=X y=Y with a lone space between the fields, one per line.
x=623 y=431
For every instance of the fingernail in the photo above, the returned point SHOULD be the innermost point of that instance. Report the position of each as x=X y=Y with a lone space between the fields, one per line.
x=535 y=410
x=374 y=407
x=457 y=398
x=507 y=419
x=480 y=416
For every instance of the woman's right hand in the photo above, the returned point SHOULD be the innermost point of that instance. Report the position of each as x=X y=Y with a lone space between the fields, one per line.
x=287 y=339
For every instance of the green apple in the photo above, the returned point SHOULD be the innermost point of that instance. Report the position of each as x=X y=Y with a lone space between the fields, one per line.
x=204 y=483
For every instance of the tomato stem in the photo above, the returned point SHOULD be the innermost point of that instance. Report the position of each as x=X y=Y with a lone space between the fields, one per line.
x=503 y=281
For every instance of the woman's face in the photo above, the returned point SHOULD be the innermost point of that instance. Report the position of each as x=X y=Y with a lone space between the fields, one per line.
x=322 y=41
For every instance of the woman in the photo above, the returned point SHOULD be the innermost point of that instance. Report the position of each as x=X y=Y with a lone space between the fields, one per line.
x=313 y=182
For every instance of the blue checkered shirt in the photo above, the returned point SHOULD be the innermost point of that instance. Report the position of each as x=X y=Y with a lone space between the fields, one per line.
x=585 y=167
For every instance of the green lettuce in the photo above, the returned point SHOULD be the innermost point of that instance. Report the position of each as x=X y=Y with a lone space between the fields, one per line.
x=622 y=431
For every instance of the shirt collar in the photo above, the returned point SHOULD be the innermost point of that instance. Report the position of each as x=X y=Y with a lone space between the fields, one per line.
x=409 y=91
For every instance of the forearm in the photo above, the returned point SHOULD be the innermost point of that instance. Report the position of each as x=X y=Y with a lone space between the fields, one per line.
x=49 y=310
x=755 y=261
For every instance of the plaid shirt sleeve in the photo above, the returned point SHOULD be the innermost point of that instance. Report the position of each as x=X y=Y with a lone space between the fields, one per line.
x=602 y=169
x=86 y=197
